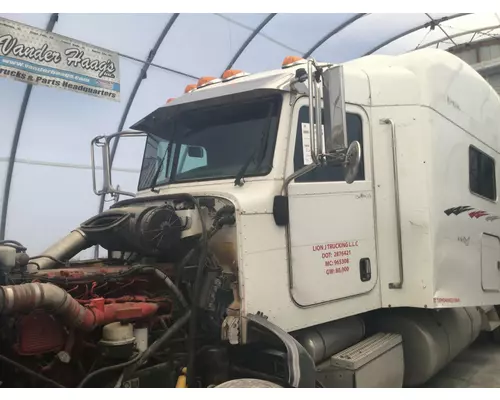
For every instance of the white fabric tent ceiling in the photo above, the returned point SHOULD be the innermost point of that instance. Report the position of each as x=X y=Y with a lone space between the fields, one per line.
x=46 y=133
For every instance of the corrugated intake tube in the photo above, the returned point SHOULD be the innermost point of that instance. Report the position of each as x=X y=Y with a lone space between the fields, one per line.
x=54 y=300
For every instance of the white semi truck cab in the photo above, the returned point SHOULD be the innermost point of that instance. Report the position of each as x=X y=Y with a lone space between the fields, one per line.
x=317 y=225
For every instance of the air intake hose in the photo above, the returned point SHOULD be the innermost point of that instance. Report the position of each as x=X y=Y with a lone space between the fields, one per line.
x=64 y=249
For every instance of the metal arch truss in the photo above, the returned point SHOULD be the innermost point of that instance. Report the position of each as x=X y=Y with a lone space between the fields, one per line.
x=140 y=78
x=460 y=34
x=434 y=22
x=339 y=28
x=254 y=33
x=308 y=53
x=15 y=142
x=440 y=27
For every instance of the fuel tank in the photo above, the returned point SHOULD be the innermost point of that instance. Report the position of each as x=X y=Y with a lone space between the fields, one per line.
x=431 y=338
x=323 y=341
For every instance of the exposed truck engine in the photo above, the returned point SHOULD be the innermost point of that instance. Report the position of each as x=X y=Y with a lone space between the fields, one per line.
x=273 y=241
x=69 y=321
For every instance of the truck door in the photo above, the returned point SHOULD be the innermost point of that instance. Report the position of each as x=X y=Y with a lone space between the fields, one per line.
x=331 y=223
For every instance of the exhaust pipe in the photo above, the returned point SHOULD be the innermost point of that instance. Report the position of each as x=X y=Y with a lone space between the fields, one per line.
x=30 y=296
x=67 y=247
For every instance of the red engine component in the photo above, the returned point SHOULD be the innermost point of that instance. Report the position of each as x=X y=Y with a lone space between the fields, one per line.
x=127 y=299
x=39 y=333
x=102 y=313
x=81 y=304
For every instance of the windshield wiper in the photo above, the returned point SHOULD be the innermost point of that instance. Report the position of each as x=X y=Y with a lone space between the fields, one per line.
x=239 y=181
x=168 y=153
x=241 y=173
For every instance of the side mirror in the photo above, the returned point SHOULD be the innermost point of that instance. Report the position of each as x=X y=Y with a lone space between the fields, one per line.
x=103 y=142
x=195 y=152
x=336 y=125
x=329 y=145
x=334 y=110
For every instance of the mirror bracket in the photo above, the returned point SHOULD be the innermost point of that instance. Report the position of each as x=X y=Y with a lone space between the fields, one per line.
x=336 y=157
x=103 y=142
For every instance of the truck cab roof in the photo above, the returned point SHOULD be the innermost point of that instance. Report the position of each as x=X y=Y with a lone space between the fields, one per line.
x=429 y=77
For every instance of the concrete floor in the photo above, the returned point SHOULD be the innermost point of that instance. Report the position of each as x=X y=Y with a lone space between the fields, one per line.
x=476 y=367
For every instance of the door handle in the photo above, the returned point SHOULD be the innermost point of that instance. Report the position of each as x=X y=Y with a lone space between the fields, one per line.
x=365 y=270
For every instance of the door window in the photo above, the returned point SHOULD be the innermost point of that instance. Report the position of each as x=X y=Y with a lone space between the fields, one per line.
x=327 y=173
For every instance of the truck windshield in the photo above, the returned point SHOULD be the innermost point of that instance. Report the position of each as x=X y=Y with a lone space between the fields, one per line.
x=213 y=143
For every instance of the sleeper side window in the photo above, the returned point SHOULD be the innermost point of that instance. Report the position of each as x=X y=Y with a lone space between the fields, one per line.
x=326 y=173
x=482 y=178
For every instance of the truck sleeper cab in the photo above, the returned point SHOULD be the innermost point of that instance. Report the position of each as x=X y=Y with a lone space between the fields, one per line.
x=389 y=239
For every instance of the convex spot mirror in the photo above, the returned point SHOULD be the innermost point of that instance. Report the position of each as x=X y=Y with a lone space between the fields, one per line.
x=352 y=161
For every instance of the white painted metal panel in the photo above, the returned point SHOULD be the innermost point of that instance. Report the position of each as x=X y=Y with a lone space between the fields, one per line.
x=412 y=158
